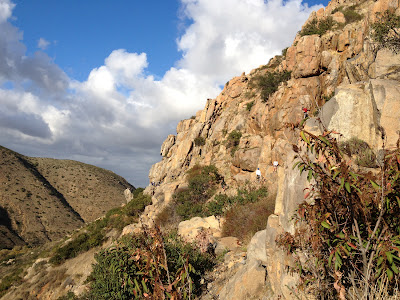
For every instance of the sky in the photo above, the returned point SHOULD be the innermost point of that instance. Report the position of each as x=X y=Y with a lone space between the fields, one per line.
x=105 y=82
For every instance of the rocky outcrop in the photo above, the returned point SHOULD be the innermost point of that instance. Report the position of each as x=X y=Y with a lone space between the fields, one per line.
x=343 y=80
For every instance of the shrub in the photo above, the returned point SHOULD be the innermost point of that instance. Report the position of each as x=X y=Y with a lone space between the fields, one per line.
x=12 y=279
x=199 y=141
x=202 y=182
x=284 y=51
x=249 y=105
x=149 y=266
x=94 y=236
x=317 y=27
x=243 y=221
x=234 y=138
x=269 y=83
x=385 y=32
x=351 y=15
x=245 y=213
x=365 y=157
x=348 y=228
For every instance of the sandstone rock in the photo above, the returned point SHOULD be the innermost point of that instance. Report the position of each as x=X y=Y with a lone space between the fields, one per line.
x=128 y=195
x=168 y=143
x=352 y=112
x=247 y=283
x=189 y=229
x=131 y=229
x=338 y=17
x=387 y=64
x=229 y=243
x=304 y=59
x=256 y=249
x=385 y=94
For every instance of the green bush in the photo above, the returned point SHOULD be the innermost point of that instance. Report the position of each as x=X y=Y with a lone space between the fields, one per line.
x=269 y=83
x=365 y=157
x=202 y=182
x=348 y=224
x=233 y=141
x=9 y=280
x=199 y=141
x=222 y=202
x=385 y=32
x=317 y=27
x=149 y=266
x=94 y=236
x=249 y=105
x=351 y=15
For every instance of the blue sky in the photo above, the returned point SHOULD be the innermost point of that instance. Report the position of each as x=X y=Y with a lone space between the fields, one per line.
x=83 y=33
x=105 y=82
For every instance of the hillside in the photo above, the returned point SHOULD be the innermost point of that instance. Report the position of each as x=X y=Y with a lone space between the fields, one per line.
x=43 y=199
x=342 y=68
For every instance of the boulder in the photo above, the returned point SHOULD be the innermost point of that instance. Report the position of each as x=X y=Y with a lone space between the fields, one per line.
x=128 y=195
x=352 y=112
x=190 y=229
x=304 y=58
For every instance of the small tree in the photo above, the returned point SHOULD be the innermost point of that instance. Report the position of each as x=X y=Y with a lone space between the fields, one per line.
x=348 y=230
x=385 y=31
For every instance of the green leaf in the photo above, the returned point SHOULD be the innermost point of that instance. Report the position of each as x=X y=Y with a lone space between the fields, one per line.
x=379 y=261
x=375 y=185
x=347 y=186
x=389 y=274
x=356 y=188
x=355 y=176
x=389 y=257
x=301 y=168
x=341 y=184
x=330 y=259
x=324 y=139
x=309 y=177
x=395 y=269
x=378 y=272
x=303 y=136
x=338 y=260
x=341 y=235
x=336 y=174
x=296 y=164
x=325 y=224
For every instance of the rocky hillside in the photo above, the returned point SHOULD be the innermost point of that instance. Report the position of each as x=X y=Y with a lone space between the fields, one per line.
x=44 y=199
x=339 y=68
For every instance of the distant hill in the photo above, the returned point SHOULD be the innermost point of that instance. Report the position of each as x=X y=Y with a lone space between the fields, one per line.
x=43 y=199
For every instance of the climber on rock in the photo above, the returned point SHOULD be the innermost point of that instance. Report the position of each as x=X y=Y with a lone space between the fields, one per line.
x=258 y=173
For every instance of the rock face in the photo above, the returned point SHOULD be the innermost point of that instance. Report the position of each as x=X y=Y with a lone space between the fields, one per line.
x=341 y=76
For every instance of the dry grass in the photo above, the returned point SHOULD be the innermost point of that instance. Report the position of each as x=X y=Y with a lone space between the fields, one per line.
x=243 y=221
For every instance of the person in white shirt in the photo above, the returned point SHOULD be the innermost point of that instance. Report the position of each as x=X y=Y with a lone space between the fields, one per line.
x=258 y=173
x=275 y=164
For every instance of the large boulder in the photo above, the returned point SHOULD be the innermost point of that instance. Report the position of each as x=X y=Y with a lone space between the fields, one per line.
x=304 y=58
x=352 y=112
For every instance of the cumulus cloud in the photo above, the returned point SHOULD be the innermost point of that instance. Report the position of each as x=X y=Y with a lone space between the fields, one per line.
x=6 y=8
x=118 y=117
x=231 y=36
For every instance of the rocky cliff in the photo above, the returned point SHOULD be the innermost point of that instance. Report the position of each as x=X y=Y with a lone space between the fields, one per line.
x=340 y=73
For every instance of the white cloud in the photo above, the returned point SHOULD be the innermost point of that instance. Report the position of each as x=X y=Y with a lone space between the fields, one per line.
x=120 y=115
x=228 y=37
x=43 y=43
x=6 y=8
